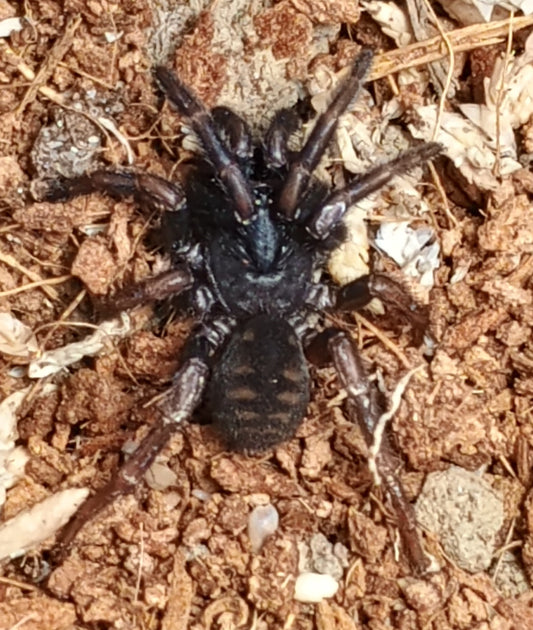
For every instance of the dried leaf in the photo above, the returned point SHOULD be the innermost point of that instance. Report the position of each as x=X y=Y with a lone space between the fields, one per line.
x=16 y=339
x=55 y=360
x=30 y=528
x=415 y=251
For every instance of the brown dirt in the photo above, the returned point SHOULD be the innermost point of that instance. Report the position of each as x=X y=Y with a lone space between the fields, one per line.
x=180 y=557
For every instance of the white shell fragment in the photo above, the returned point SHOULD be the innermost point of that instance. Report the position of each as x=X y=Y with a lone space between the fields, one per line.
x=30 y=528
x=262 y=523
x=12 y=464
x=13 y=459
x=474 y=11
x=10 y=25
x=415 y=251
x=55 y=360
x=314 y=587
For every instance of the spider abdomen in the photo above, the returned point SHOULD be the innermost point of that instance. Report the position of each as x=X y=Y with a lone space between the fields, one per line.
x=259 y=388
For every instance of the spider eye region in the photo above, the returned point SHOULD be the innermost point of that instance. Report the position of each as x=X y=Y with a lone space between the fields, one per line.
x=259 y=266
x=262 y=270
x=261 y=236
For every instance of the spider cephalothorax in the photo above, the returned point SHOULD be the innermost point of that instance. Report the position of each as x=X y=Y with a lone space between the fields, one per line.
x=248 y=231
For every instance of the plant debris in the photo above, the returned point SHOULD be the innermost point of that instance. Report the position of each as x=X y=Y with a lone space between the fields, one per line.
x=78 y=389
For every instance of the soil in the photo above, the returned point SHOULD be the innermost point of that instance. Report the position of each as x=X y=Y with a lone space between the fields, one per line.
x=77 y=94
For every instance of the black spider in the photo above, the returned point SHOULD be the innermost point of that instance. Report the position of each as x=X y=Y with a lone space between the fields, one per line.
x=249 y=231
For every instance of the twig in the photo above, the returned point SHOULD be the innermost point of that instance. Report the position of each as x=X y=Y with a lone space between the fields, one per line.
x=29 y=74
x=56 y=53
x=461 y=39
x=22 y=585
x=500 y=97
x=451 y=67
x=37 y=280
x=363 y=321
x=34 y=285
x=141 y=565
x=66 y=313
x=442 y=193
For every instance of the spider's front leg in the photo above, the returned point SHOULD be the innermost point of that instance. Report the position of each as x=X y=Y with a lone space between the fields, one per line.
x=178 y=405
x=336 y=206
x=305 y=162
x=148 y=191
x=234 y=131
x=204 y=126
x=275 y=150
x=363 y=398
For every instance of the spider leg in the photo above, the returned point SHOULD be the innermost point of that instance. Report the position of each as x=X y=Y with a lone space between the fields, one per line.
x=357 y=294
x=364 y=401
x=149 y=191
x=336 y=205
x=275 y=150
x=181 y=400
x=234 y=131
x=164 y=285
x=307 y=159
x=203 y=125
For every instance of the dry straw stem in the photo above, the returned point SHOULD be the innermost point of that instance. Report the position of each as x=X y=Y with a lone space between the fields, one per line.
x=461 y=40
x=37 y=284
x=37 y=280
x=388 y=343
x=501 y=92
x=55 y=55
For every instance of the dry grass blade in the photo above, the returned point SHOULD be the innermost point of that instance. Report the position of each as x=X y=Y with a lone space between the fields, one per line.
x=461 y=39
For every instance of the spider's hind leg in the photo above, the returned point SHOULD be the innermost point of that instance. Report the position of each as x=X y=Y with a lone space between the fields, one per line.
x=394 y=295
x=364 y=402
x=178 y=405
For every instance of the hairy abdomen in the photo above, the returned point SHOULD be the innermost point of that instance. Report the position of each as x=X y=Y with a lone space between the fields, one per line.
x=259 y=388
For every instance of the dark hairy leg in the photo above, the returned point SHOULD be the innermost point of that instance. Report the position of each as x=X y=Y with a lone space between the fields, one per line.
x=364 y=402
x=275 y=149
x=234 y=131
x=166 y=284
x=334 y=209
x=357 y=294
x=307 y=159
x=202 y=123
x=178 y=405
x=149 y=191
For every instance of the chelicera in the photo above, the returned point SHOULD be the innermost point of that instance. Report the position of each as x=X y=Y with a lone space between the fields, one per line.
x=249 y=230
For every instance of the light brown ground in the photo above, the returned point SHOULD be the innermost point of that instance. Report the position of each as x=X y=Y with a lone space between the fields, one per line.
x=180 y=557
